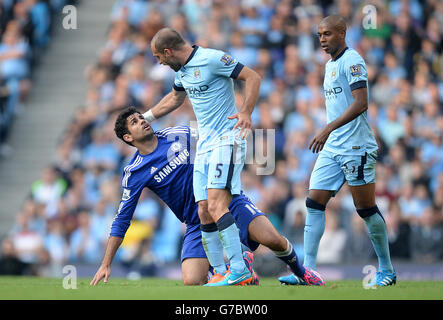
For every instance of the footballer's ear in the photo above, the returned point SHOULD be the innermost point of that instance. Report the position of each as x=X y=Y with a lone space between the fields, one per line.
x=167 y=52
x=128 y=138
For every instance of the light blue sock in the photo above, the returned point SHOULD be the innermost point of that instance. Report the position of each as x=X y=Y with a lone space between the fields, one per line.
x=213 y=247
x=230 y=239
x=314 y=228
x=378 y=235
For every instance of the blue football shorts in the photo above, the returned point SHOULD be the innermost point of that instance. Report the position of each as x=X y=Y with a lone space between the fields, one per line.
x=332 y=170
x=243 y=211
x=219 y=168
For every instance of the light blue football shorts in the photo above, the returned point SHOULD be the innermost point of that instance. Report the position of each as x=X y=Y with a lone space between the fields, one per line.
x=332 y=170
x=219 y=168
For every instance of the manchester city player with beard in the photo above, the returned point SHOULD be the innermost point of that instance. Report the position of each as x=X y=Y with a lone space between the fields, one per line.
x=347 y=151
x=163 y=163
x=206 y=76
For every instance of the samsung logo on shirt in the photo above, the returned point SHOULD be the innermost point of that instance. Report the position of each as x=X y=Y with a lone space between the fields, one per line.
x=182 y=158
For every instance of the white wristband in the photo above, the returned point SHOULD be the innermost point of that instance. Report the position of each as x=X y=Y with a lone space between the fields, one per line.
x=149 y=116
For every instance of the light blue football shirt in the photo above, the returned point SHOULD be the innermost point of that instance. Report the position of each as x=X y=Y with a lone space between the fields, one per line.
x=344 y=74
x=207 y=77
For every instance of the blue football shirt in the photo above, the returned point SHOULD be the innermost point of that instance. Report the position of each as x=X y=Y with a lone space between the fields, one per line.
x=207 y=77
x=344 y=74
x=167 y=172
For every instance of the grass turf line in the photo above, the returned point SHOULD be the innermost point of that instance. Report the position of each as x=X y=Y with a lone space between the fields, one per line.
x=35 y=288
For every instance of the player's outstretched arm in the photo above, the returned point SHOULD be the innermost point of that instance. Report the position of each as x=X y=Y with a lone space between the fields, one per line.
x=104 y=271
x=169 y=103
x=252 y=88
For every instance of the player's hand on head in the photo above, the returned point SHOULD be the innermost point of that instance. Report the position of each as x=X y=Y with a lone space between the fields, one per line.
x=244 y=122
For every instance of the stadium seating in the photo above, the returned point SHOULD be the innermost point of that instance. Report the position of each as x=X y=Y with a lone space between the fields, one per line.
x=77 y=196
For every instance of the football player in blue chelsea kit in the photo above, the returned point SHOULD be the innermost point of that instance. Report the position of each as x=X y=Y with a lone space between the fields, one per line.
x=163 y=163
x=347 y=152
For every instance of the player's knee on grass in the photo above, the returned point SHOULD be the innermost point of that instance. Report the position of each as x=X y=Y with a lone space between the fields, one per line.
x=195 y=271
x=194 y=280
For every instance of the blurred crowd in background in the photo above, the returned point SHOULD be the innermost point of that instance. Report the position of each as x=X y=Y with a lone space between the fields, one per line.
x=67 y=215
x=25 y=32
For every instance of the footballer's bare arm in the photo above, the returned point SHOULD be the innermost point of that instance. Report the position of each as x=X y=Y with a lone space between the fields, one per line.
x=169 y=103
x=252 y=87
x=104 y=271
x=356 y=108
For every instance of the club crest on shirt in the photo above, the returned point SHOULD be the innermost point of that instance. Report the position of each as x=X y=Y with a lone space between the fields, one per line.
x=356 y=71
x=197 y=74
x=227 y=60
x=334 y=74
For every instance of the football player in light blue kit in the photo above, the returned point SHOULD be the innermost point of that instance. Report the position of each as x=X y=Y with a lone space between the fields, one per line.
x=347 y=151
x=206 y=77
x=163 y=163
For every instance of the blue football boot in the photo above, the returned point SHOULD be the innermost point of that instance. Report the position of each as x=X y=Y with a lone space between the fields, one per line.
x=383 y=279
x=292 y=280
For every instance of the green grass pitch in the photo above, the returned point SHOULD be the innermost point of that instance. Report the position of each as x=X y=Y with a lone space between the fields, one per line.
x=35 y=288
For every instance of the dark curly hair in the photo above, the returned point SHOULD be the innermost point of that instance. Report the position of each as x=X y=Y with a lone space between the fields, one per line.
x=121 y=124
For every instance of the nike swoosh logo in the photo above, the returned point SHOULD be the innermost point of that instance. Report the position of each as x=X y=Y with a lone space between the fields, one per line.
x=238 y=279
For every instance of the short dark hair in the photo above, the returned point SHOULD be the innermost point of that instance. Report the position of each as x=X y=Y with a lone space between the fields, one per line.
x=336 y=21
x=168 y=38
x=121 y=123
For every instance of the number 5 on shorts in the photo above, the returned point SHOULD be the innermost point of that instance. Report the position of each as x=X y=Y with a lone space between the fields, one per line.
x=219 y=168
